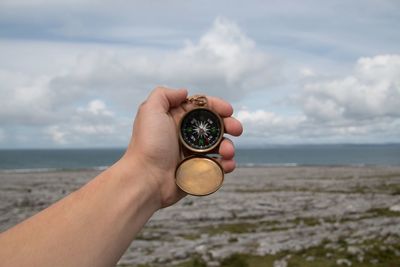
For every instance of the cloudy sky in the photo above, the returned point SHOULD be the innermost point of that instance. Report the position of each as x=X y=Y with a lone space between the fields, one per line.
x=73 y=72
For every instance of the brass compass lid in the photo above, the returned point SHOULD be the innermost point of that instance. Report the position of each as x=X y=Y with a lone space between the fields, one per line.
x=199 y=175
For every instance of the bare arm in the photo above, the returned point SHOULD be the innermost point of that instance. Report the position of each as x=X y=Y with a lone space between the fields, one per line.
x=94 y=225
x=91 y=227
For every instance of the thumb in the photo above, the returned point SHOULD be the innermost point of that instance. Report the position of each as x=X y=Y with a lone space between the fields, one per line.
x=162 y=99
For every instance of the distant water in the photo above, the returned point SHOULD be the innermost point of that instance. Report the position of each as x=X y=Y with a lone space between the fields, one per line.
x=58 y=159
x=325 y=155
x=71 y=159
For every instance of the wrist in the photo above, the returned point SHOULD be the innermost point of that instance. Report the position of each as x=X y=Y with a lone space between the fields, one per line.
x=136 y=181
x=157 y=177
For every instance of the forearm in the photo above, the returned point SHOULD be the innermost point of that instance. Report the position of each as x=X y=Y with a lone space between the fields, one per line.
x=91 y=227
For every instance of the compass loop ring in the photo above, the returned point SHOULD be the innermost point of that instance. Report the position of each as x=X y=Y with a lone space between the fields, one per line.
x=198 y=100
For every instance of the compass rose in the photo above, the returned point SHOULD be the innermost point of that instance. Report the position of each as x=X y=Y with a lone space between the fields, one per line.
x=202 y=129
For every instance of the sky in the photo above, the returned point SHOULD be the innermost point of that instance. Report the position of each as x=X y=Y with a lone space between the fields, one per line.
x=72 y=73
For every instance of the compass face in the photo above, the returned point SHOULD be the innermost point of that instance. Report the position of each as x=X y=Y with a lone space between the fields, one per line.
x=201 y=129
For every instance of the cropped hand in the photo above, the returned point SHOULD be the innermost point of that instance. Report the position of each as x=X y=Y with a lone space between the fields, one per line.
x=154 y=143
x=105 y=214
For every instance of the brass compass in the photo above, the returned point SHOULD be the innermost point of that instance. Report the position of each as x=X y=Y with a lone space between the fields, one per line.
x=200 y=132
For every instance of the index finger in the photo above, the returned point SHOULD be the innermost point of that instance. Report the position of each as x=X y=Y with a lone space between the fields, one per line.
x=223 y=108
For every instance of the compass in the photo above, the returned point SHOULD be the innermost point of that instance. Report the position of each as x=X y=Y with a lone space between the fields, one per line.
x=201 y=130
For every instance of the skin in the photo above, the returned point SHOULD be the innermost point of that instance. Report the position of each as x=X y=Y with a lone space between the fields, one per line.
x=94 y=225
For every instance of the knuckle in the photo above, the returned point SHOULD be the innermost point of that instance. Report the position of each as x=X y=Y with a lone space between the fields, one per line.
x=229 y=141
x=233 y=166
x=142 y=105
x=158 y=89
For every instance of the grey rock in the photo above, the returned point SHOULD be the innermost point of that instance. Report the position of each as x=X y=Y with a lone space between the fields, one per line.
x=343 y=262
x=202 y=249
x=310 y=258
x=179 y=255
x=161 y=260
x=265 y=210
x=360 y=258
x=280 y=263
x=354 y=250
x=395 y=208
x=374 y=261
x=328 y=255
x=213 y=264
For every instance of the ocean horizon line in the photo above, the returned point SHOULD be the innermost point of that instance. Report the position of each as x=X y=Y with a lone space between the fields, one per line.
x=293 y=155
x=241 y=147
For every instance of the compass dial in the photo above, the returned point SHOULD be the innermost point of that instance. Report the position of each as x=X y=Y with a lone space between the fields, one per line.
x=201 y=130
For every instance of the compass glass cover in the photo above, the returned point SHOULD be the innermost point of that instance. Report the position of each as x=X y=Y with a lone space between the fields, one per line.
x=201 y=129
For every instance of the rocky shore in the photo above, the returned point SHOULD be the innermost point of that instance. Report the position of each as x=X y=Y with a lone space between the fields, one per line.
x=278 y=216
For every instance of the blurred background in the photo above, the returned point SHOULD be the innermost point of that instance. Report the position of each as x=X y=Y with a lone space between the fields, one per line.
x=316 y=84
x=73 y=72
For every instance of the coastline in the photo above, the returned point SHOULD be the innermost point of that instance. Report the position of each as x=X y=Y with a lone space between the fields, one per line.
x=266 y=212
x=239 y=166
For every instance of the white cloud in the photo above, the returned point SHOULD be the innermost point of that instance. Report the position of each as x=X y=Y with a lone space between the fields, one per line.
x=227 y=59
x=24 y=100
x=46 y=89
x=361 y=107
x=373 y=90
x=96 y=107
x=83 y=86
x=224 y=62
x=56 y=135
x=94 y=123
x=268 y=124
x=307 y=72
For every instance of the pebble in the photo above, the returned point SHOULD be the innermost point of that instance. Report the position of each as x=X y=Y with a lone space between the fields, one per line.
x=179 y=255
x=374 y=261
x=310 y=258
x=202 y=249
x=354 y=250
x=213 y=264
x=395 y=208
x=344 y=262
x=360 y=258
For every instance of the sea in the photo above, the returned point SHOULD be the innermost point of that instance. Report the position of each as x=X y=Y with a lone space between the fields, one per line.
x=27 y=160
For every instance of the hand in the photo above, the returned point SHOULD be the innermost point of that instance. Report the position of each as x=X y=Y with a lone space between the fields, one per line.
x=107 y=212
x=154 y=143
